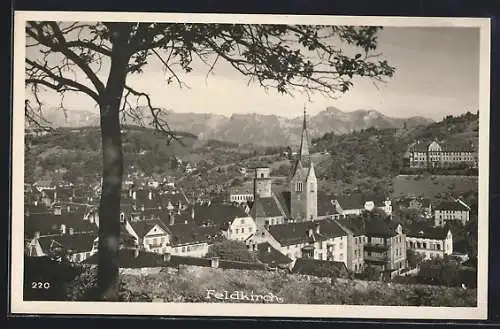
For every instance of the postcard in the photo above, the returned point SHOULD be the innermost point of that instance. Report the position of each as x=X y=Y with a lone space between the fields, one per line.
x=250 y=165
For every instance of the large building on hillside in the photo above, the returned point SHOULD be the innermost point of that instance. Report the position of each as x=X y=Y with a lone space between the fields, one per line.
x=436 y=155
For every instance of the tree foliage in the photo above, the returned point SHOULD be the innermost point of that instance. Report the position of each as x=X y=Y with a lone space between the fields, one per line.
x=232 y=250
x=73 y=57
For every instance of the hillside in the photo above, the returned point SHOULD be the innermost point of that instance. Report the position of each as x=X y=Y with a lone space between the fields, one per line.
x=190 y=284
x=369 y=159
x=74 y=154
x=265 y=130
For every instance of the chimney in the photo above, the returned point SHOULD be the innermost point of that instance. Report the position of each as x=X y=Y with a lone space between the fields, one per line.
x=167 y=257
x=63 y=229
x=214 y=263
x=172 y=219
x=71 y=231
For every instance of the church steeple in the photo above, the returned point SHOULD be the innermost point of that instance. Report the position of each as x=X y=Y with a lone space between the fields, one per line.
x=304 y=141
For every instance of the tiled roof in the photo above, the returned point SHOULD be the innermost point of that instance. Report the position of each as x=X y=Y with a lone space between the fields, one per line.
x=284 y=198
x=127 y=259
x=142 y=227
x=423 y=230
x=265 y=207
x=183 y=234
x=377 y=227
x=50 y=223
x=38 y=209
x=270 y=256
x=77 y=242
x=216 y=214
x=355 y=225
x=320 y=268
x=233 y=265
x=295 y=233
x=325 y=205
x=450 y=205
x=449 y=146
x=418 y=147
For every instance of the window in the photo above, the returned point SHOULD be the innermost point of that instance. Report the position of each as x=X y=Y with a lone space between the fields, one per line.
x=261 y=175
x=250 y=230
x=242 y=230
x=237 y=231
x=242 y=221
x=299 y=187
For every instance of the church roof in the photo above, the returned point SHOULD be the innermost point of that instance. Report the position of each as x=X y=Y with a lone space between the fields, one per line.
x=265 y=207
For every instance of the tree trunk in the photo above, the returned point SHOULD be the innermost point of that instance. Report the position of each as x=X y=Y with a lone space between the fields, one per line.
x=112 y=155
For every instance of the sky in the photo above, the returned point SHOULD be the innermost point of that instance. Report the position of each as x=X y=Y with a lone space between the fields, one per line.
x=437 y=74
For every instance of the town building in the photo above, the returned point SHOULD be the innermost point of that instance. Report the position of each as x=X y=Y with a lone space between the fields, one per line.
x=356 y=203
x=151 y=235
x=451 y=211
x=75 y=247
x=384 y=246
x=430 y=242
x=192 y=240
x=356 y=240
x=441 y=155
x=321 y=239
x=241 y=195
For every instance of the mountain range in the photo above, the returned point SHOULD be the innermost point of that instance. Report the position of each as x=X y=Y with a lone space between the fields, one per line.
x=258 y=129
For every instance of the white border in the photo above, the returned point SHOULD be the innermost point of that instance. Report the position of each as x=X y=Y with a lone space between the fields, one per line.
x=257 y=310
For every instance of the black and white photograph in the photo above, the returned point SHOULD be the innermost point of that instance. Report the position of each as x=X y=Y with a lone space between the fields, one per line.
x=279 y=165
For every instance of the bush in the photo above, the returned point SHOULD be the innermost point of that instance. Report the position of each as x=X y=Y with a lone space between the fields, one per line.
x=232 y=250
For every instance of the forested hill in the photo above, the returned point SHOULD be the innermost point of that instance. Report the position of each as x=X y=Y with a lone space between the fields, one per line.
x=379 y=152
x=75 y=153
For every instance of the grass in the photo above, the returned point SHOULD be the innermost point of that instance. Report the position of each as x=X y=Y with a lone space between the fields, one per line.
x=433 y=186
x=190 y=284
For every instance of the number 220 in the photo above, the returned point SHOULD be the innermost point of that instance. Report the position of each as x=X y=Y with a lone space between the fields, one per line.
x=40 y=285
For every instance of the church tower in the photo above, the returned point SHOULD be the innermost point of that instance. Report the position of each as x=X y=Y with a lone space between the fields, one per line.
x=303 y=182
x=262 y=183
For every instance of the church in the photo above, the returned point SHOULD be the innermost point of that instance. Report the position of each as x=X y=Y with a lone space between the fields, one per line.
x=297 y=204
